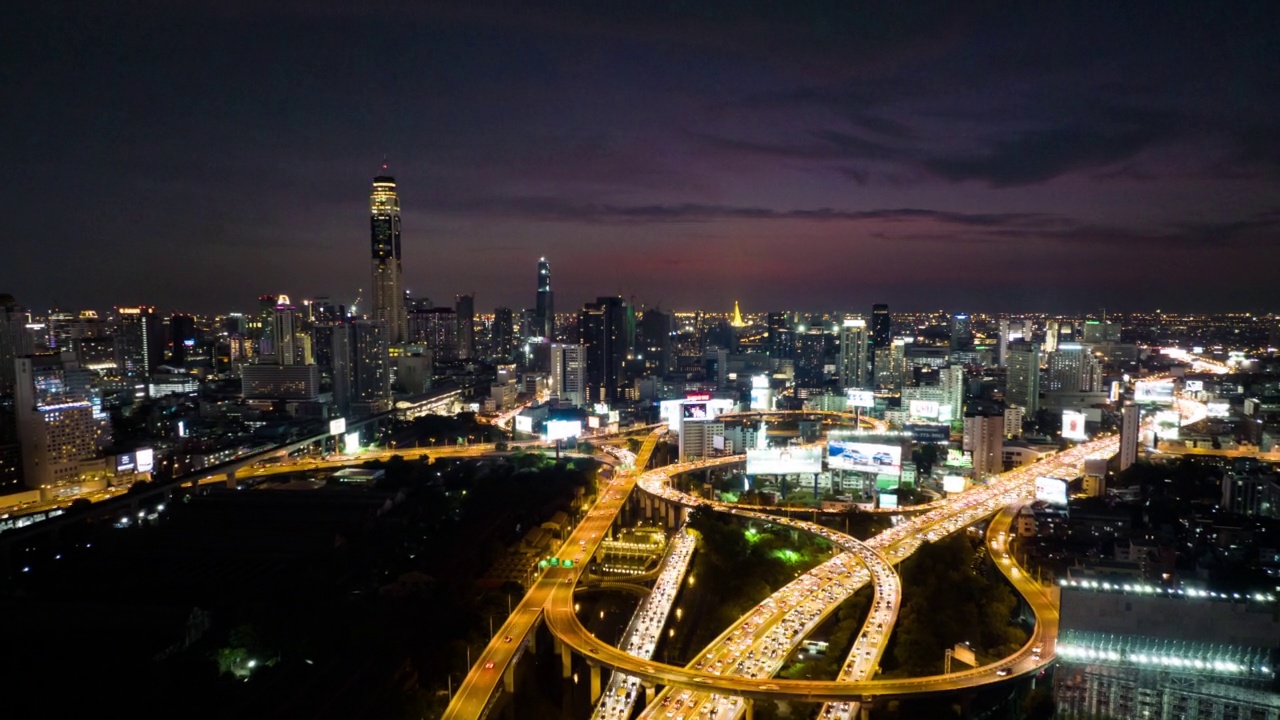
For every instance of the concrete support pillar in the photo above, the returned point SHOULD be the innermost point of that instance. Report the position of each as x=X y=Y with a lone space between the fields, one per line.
x=231 y=480
x=648 y=693
x=533 y=639
x=595 y=682
x=751 y=708
x=864 y=711
x=566 y=660
x=509 y=678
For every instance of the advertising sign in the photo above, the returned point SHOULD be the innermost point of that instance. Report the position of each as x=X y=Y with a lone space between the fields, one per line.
x=337 y=426
x=929 y=432
x=1218 y=408
x=1052 y=491
x=888 y=500
x=1160 y=393
x=124 y=463
x=958 y=458
x=925 y=409
x=146 y=459
x=1167 y=424
x=784 y=461
x=351 y=443
x=864 y=457
x=1073 y=425
x=694 y=411
x=524 y=423
x=861 y=398
x=759 y=382
x=761 y=399
x=562 y=429
x=1193 y=386
x=954 y=483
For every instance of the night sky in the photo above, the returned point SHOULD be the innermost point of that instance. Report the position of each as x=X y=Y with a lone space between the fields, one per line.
x=964 y=156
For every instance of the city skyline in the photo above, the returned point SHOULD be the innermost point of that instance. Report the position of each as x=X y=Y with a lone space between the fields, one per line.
x=960 y=158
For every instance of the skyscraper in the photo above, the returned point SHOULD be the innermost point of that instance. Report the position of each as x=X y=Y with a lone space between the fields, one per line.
x=656 y=329
x=1072 y=368
x=782 y=336
x=602 y=328
x=853 y=366
x=881 y=326
x=465 y=309
x=388 y=299
x=284 y=334
x=502 y=344
x=951 y=379
x=544 y=316
x=14 y=340
x=891 y=365
x=1022 y=384
x=961 y=332
x=139 y=341
x=568 y=373
x=361 y=376
x=984 y=437
x=1129 y=430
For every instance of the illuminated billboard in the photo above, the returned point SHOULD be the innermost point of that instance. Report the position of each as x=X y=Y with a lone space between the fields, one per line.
x=1160 y=393
x=124 y=463
x=351 y=443
x=562 y=429
x=145 y=459
x=888 y=500
x=958 y=458
x=1052 y=490
x=1167 y=424
x=337 y=426
x=864 y=457
x=524 y=423
x=954 y=483
x=1073 y=425
x=694 y=411
x=784 y=461
x=861 y=398
x=1218 y=408
x=761 y=399
x=1193 y=386
x=927 y=409
x=929 y=432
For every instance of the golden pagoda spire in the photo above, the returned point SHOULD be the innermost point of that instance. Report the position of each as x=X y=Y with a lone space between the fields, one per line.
x=737 y=315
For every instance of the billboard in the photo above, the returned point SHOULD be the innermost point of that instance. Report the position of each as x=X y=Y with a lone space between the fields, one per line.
x=958 y=458
x=861 y=398
x=761 y=399
x=125 y=463
x=1218 y=408
x=1052 y=490
x=1160 y=393
x=562 y=429
x=864 y=457
x=1073 y=425
x=926 y=409
x=784 y=461
x=888 y=500
x=954 y=483
x=524 y=423
x=351 y=443
x=1167 y=423
x=145 y=459
x=1193 y=386
x=717 y=442
x=694 y=411
x=337 y=426
x=929 y=432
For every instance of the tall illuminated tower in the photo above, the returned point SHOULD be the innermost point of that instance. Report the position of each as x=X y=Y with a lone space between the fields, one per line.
x=388 y=300
x=545 y=312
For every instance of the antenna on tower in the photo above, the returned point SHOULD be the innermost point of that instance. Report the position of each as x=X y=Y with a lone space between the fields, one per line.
x=384 y=161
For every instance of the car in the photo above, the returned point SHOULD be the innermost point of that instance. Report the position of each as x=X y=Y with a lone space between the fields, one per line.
x=506 y=639
x=882 y=458
x=1003 y=672
x=488 y=665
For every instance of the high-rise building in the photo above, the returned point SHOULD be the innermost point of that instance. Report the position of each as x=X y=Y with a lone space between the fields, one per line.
x=961 y=332
x=139 y=341
x=284 y=334
x=881 y=326
x=361 y=376
x=1002 y=350
x=810 y=358
x=437 y=328
x=951 y=380
x=388 y=298
x=984 y=438
x=182 y=338
x=853 y=367
x=465 y=309
x=59 y=417
x=14 y=340
x=656 y=330
x=1101 y=332
x=502 y=336
x=544 y=316
x=1073 y=369
x=280 y=381
x=569 y=373
x=261 y=327
x=891 y=365
x=782 y=336
x=602 y=328
x=1130 y=430
x=1022 y=384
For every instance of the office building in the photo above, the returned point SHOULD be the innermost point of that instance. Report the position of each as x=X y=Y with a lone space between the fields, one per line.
x=412 y=368
x=1013 y=417
x=502 y=336
x=139 y=341
x=1022 y=383
x=14 y=340
x=1100 y=332
x=984 y=438
x=881 y=326
x=853 y=366
x=465 y=310
x=437 y=328
x=569 y=374
x=654 y=341
x=961 y=332
x=951 y=380
x=284 y=334
x=698 y=439
x=544 y=314
x=782 y=336
x=1073 y=369
x=891 y=365
x=602 y=328
x=273 y=381
x=361 y=377
x=59 y=418
x=388 y=297
x=1130 y=430
x=182 y=338
x=810 y=358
